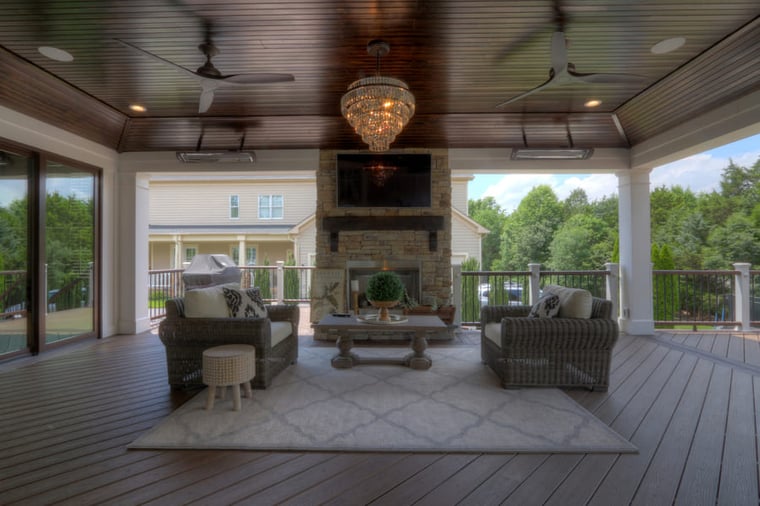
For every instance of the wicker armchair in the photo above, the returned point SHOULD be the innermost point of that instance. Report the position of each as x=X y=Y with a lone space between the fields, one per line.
x=186 y=338
x=549 y=351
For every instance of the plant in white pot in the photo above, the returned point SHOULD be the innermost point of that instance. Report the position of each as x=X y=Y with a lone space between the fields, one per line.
x=384 y=290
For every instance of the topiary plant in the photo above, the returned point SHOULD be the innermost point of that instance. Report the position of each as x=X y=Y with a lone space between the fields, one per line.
x=384 y=286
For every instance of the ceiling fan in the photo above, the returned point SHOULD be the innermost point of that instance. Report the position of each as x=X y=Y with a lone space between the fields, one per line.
x=209 y=76
x=563 y=72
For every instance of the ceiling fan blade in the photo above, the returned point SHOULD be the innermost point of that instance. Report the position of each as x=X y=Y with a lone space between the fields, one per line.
x=607 y=78
x=547 y=84
x=179 y=68
x=559 y=52
x=262 y=78
x=207 y=95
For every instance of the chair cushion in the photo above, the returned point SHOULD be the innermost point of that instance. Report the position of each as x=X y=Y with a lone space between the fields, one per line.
x=207 y=302
x=573 y=302
x=493 y=332
x=245 y=303
x=546 y=307
x=280 y=330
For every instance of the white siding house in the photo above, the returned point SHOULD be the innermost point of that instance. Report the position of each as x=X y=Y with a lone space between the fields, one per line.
x=268 y=216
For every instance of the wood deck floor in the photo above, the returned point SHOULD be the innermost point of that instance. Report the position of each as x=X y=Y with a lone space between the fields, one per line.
x=688 y=401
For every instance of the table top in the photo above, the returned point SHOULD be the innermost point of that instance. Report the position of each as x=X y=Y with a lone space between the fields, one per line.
x=414 y=322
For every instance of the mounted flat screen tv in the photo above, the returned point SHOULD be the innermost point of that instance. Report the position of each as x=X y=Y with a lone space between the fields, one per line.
x=402 y=180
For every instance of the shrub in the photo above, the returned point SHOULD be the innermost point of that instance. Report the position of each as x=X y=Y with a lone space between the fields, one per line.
x=384 y=286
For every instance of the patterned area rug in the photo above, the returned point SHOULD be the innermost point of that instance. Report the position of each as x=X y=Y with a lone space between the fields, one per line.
x=455 y=406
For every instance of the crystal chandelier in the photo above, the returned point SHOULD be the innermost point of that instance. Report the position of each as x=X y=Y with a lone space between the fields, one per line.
x=378 y=107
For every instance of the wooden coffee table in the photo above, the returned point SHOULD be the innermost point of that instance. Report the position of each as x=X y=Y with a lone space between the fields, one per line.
x=344 y=326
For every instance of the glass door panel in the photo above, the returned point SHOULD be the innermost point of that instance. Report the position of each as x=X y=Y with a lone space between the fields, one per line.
x=14 y=258
x=69 y=252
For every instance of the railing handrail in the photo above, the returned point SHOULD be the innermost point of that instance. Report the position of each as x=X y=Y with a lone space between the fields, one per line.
x=703 y=298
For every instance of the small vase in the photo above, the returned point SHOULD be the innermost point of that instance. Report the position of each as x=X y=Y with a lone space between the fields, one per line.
x=383 y=305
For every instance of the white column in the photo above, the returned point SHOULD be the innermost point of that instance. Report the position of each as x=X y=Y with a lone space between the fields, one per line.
x=535 y=282
x=636 y=311
x=133 y=254
x=280 y=295
x=178 y=252
x=242 y=258
x=742 y=294
x=613 y=287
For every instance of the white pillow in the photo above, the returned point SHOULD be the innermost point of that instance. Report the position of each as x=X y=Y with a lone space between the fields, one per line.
x=245 y=303
x=546 y=307
x=207 y=302
x=573 y=302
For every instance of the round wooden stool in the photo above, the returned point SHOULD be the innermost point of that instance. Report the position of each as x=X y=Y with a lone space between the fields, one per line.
x=229 y=365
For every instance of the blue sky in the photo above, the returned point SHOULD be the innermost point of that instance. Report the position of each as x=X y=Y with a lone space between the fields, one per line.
x=700 y=173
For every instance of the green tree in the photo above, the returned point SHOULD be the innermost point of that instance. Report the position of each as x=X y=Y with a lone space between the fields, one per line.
x=576 y=203
x=583 y=242
x=261 y=279
x=529 y=230
x=738 y=240
x=471 y=308
x=292 y=283
x=666 y=296
x=488 y=213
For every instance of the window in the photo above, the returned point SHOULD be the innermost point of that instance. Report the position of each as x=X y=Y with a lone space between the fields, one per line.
x=190 y=252
x=250 y=255
x=270 y=207
x=234 y=207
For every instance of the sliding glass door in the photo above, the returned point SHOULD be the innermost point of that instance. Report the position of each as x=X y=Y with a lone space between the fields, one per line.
x=15 y=310
x=49 y=254
x=70 y=221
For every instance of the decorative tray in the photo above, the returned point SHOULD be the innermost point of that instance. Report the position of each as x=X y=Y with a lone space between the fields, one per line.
x=372 y=318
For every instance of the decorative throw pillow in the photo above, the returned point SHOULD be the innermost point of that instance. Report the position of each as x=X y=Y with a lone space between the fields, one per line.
x=245 y=303
x=207 y=302
x=546 y=307
x=573 y=302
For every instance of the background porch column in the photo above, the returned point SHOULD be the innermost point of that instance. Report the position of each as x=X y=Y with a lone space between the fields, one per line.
x=636 y=311
x=133 y=253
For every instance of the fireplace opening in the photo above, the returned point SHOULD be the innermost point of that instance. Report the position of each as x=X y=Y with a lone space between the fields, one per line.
x=359 y=272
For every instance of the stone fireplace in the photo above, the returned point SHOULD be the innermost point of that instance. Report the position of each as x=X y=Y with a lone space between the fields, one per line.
x=362 y=240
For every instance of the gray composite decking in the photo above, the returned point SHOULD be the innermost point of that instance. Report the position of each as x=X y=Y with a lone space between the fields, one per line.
x=688 y=401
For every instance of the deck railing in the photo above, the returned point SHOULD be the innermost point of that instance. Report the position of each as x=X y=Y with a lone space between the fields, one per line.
x=480 y=288
x=280 y=284
x=727 y=298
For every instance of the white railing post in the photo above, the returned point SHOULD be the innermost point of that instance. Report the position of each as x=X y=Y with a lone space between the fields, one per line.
x=742 y=294
x=456 y=295
x=535 y=282
x=613 y=287
x=280 y=281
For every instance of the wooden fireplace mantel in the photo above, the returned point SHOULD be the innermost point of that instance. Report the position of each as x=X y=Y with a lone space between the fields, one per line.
x=336 y=224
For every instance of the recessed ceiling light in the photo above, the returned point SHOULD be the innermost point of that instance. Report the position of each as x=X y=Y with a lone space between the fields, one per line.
x=55 y=54
x=668 y=45
x=138 y=108
x=593 y=103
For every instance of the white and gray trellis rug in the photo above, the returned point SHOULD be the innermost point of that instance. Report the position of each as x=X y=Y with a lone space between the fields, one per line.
x=457 y=405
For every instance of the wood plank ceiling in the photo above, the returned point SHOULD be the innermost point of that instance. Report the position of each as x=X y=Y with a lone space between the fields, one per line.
x=460 y=58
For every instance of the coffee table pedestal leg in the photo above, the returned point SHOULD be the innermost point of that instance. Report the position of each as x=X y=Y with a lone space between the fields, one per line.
x=417 y=359
x=345 y=359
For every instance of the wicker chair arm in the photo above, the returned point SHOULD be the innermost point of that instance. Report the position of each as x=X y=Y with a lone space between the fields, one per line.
x=558 y=333
x=284 y=312
x=490 y=314
x=215 y=331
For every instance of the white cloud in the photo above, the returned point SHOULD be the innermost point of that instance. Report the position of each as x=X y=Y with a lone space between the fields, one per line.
x=511 y=189
x=700 y=173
